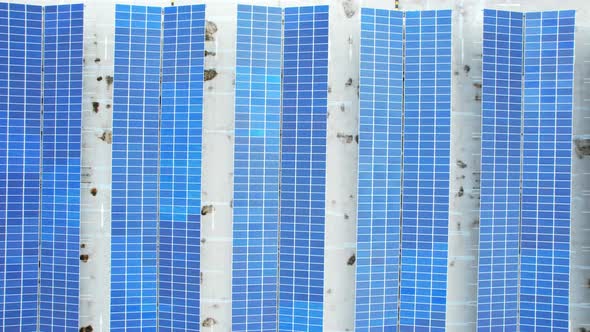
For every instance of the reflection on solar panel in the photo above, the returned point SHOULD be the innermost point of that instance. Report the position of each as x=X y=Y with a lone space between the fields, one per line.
x=546 y=170
x=256 y=169
x=500 y=170
x=379 y=178
x=135 y=167
x=303 y=168
x=427 y=116
x=180 y=167
x=60 y=220
x=20 y=151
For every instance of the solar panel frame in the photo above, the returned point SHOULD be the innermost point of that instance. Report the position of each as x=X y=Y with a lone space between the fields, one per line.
x=303 y=167
x=136 y=108
x=379 y=170
x=20 y=168
x=60 y=196
x=546 y=170
x=179 y=172
x=256 y=168
x=500 y=170
x=426 y=174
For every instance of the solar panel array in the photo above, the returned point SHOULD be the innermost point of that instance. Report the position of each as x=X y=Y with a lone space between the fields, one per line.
x=500 y=170
x=303 y=168
x=256 y=169
x=426 y=162
x=180 y=167
x=280 y=166
x=40 y=111
x=546 y=170
x=525 y=284
x=157 y=124
x=379 y=177
x=60 y=198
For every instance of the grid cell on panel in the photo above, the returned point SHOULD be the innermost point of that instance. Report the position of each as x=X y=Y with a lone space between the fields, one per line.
x=180 y=167
x=426 y=161
x=303 y=167
x=20 y=153
x=500 y=171
x=379 y=170
x=546 y=170
x=60 y=200
x=136 y=97
x=256 y=169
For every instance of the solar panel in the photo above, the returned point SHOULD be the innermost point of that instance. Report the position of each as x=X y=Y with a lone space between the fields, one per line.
x=20 y=152
x=180 y=167
x=60 y=216
x=135 y=167
x=546 y=170
x=500 y=170
x=256 y=169
x=379 y=177
x=303 y=168
x=426 y=160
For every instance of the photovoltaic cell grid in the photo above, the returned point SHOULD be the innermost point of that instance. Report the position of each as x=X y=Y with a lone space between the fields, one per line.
x=546 y=170
x=135 y=167
x=256 y=169
x=426 y=159
x=303 y=168
x=500 y=171
x=379 y=177
x=60 y=209
x=180 y=167
x=20 y=152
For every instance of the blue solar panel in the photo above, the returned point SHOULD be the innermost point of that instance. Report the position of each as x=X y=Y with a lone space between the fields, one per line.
x=256 y=169
x=135 y=167
x=500 y=170
x=546 y=170
x=20 y=152
x=60 y=216
x=180 y=167
x=426 y=160
x=303 y=168
x=379 y=177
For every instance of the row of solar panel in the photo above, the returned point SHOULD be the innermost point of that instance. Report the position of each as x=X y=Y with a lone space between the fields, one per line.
x=526 y=177
x=287 y=284
x=156 y=195
x=40 y=137
x=403 y=177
